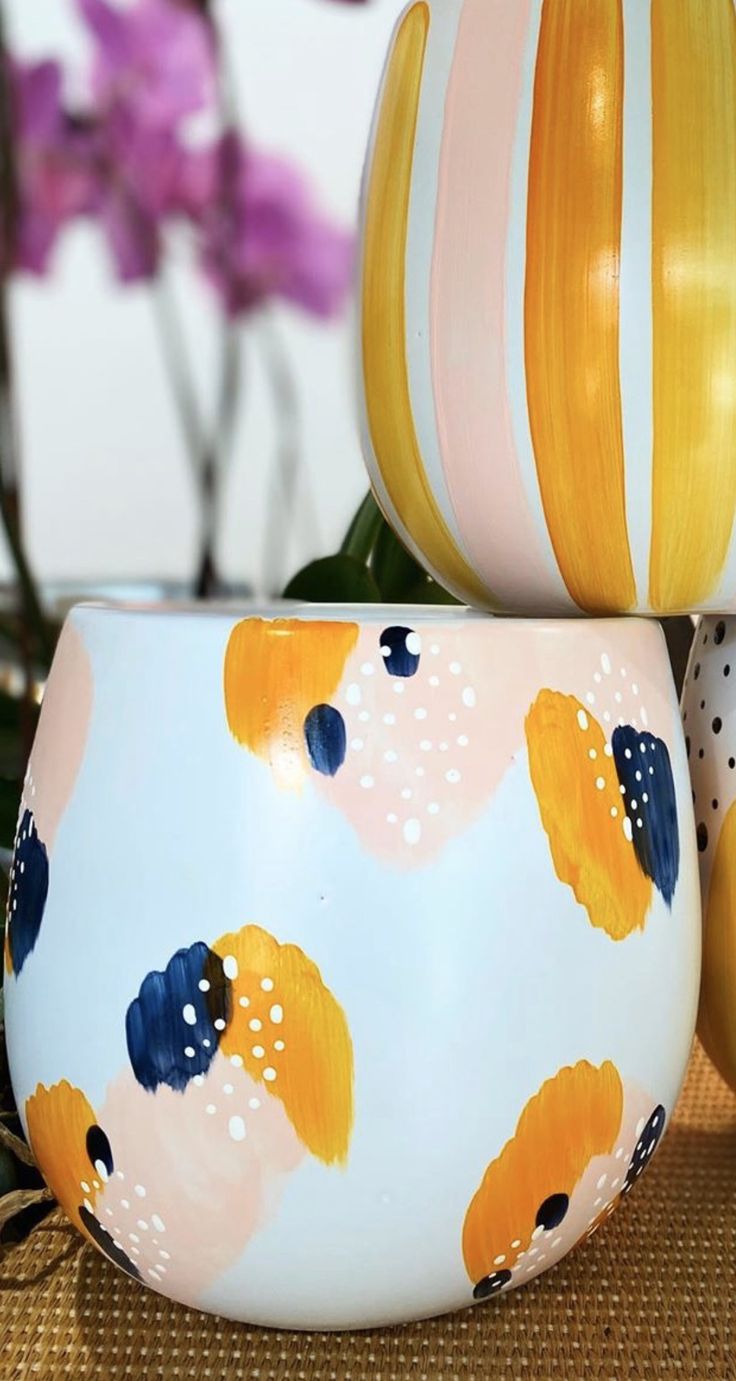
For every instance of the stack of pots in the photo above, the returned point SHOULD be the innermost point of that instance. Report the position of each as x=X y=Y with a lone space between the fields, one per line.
x=387 y=921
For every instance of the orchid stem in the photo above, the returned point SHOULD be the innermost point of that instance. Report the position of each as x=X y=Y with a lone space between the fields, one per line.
x=284 y=481
x=10 y=512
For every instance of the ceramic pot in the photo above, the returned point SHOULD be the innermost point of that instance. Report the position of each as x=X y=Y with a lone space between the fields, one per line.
x=549 y=301
x=709 y=714
x=353 y=954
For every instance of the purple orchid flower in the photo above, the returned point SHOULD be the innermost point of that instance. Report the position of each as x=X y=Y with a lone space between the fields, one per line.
x=262 y=235
x=53 y=173
x=156 y=57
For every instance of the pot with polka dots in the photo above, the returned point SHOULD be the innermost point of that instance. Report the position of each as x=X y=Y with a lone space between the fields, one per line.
x=709 y=715
x=352 y=954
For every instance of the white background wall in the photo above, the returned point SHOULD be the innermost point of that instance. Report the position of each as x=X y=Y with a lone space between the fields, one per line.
x=107 y=489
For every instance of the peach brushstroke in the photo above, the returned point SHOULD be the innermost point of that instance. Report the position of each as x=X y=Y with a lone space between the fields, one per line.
x=468 y=308
x=577 y=789
x=694 y=298
x=196 y=1175
x=575 y=1116
x=276 y=671
x=292 y=1037
x=717 y=1016
x=572 y=298
x=61 y=739
x=421 y=768
x=385 y=369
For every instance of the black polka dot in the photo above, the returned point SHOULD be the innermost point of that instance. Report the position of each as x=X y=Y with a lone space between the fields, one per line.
x=696 y=671
x=701 y=752
x=720 y=632
x=702 y=837
x=551 y=1213
x=99 y=1150
x=732 y=763
x=702 y=704
x=400 y=651
x=491 y=1285
x=717 y=724
x=727 y=669
x=687 y=745
x=714 y=805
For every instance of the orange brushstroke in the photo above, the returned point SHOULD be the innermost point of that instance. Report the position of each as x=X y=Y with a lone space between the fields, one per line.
x=572 y=298
x=590 y=850
x=58 y=1120
x=276 y=671
x=575 y=1116
x=694 y=298
x=385 y=370
x=313 y=1073
x=717 y=1016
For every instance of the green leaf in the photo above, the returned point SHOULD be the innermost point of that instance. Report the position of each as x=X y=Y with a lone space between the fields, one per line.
x=427 y=591
x=334 y=580
x=396 y=572
x=365 y=528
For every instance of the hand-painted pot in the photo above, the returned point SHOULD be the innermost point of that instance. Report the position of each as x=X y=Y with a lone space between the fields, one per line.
x=549 y=301
x=709 y=714
x=353 y=954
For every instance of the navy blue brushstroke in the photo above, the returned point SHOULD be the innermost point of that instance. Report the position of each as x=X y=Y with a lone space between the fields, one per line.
x=326 y=737
x=397 y=658
x=99 y=1150
x=657 y=840
x=645 y=1147
x=107 y=1244
x=157 y=1032
x=28 y=890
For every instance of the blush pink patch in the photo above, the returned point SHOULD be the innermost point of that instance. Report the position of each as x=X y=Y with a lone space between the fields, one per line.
x=468 y=301
x=196 y=1174
x=62 y=735
x=426 y=753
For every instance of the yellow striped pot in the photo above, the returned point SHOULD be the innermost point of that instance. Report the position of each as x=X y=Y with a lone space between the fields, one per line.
x=549 y=301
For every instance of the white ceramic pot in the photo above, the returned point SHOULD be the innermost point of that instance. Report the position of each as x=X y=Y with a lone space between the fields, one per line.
x=353 y=954
x=709 y=713
x=549 y=301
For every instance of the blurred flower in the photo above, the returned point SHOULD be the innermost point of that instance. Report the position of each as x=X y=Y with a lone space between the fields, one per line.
x=262 y=235
x=154 y=64
x=156 y=57
x=52 y=169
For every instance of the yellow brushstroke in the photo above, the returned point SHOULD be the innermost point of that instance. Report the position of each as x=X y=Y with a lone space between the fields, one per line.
x=717 y=1017
x=279 y=996
x=59 y=1119
x=385 y=371
x=572 y=298
x=575 y=1116
x=583 y=819
x=276 y=671
x=694 y=298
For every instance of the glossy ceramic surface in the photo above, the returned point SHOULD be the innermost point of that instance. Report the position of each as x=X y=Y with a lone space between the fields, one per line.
x=709 y=713
x=353 y=954
x=549 y=301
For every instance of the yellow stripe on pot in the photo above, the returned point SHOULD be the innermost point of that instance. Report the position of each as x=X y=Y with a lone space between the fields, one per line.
x=694 y=297
x=717 y=1018
x=385 y=371
x=572 y=298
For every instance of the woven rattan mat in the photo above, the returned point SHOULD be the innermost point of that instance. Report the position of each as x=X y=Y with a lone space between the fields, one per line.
x=653 y=1295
